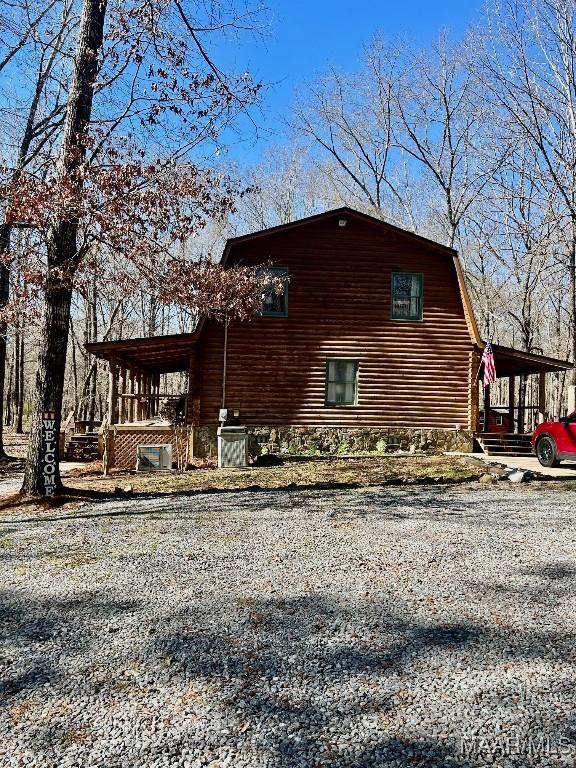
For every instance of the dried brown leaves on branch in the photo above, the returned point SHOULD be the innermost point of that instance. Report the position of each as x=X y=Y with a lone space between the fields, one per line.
x=211 y=290
x=136 y=214
x=132 y=216
x=135 y=183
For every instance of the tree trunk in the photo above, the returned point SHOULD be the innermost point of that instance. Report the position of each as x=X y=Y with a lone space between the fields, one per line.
x=20 y=408
x=77 y=403
x=4 y=293
x=573 y=306
x=6 y=228
x=91 y=405
x=17 y=371
x=9 y=396
x=42 y=474
x=92 y=399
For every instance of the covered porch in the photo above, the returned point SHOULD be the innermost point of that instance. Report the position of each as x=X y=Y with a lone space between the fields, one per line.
x=521 y=398
x=138 y=374
x=153 y=397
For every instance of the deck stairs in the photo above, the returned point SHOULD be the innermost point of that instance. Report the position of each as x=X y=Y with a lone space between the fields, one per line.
x=82 y=447
x=504 y=444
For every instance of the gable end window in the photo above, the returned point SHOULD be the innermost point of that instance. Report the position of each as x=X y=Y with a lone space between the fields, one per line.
x=275 y=304
x=341 y=382
x=407 y=292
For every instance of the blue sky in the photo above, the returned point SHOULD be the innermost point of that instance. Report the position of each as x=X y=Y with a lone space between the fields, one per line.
x=305 y=37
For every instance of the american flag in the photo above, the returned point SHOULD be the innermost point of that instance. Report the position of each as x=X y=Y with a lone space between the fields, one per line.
x=489 y=366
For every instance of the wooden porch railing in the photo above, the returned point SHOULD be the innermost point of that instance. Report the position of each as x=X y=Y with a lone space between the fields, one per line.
x=141 y=407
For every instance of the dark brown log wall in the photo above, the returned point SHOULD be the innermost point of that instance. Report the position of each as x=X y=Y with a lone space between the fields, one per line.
x=412 y=373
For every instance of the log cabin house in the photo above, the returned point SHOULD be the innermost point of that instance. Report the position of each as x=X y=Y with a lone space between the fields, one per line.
x=373 y=345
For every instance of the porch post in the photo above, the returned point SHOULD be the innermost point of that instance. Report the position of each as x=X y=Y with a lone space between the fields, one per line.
x=147 y=392
x=130 y=407
x=145 y=398
x=136 y=393
x=157 y=396
x=521 y=417
x=139 y=382
x=152 y=413
x=541 y=397
x=511 y=394
x=486 y=408
x=112 y=391
x=122 y=409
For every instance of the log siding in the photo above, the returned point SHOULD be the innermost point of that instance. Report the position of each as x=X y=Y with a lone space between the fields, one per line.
x=411 y=373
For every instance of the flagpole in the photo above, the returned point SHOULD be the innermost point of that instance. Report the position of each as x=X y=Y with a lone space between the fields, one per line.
x=478 y=372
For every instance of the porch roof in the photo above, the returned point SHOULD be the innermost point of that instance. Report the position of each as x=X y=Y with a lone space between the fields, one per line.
x=515 y=362
x=166 y=354
x=157 y=354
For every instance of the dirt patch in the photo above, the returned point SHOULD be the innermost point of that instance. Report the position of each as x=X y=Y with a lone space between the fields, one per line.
x=72 y=498
x=11 y=467
x=87 y=483
x=310 y=473
x=15 y=445
x=90 y=469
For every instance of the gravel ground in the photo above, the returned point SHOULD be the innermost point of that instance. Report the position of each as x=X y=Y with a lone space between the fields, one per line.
x=417 y=626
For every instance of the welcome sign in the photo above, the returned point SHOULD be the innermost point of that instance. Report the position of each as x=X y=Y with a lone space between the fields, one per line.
x=49 y=446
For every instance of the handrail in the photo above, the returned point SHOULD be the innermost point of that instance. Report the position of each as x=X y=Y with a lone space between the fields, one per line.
x=514 y=408
x=66 y=424
x=131 y=395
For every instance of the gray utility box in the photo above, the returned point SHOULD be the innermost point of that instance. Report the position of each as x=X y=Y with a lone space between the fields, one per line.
x=232 y=447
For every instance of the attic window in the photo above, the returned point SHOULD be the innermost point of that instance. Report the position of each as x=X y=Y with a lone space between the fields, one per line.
x=407 y=289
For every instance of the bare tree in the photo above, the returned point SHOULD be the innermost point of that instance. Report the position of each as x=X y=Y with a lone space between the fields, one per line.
x=350 y=120
x=123 y=179
x=526 y=64
x=283 y=187
x=19 y=24
x=516 y=219
x=39 y=124
x=442 y=126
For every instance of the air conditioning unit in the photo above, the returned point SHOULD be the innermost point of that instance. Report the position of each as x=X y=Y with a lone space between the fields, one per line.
x=153 y=458
x=232 y=447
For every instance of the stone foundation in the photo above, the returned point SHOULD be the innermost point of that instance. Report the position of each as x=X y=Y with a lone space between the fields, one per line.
x=297 y=441
x=322 y=441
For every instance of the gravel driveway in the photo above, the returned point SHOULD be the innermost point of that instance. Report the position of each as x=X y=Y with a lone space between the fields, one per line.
x=417 y=626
